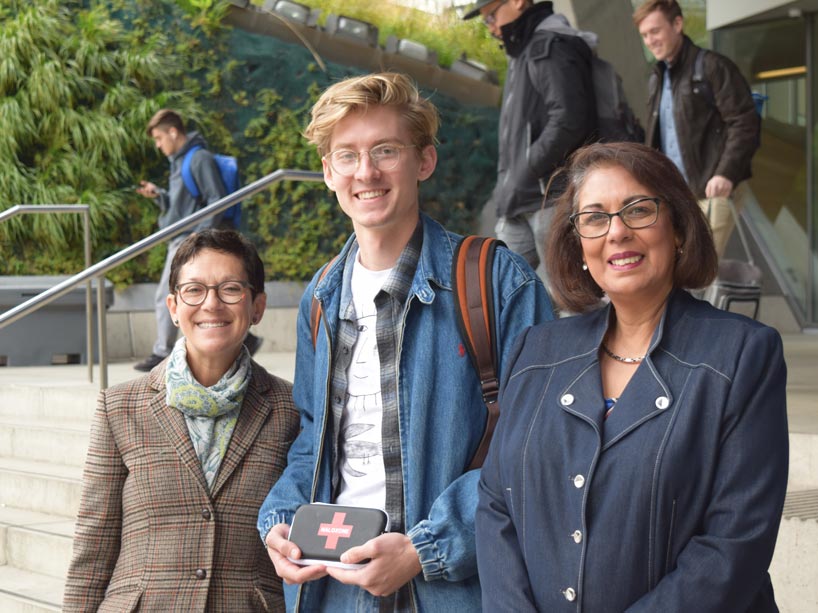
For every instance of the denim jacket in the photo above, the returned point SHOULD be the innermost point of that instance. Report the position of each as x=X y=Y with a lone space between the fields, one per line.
x=670 y=504
x=441 y=418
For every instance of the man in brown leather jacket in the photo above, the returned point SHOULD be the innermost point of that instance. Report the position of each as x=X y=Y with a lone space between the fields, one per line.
x=701 y=114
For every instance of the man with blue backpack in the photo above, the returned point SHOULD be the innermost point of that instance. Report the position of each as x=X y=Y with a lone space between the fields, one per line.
x=198 y=178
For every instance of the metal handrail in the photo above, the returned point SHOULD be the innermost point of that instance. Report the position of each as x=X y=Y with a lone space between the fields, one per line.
x=85 y=209
x=100 y=268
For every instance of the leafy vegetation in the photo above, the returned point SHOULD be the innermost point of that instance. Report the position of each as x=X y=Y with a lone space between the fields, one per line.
x=446 y=33
x=76 y=89
x=79 y=80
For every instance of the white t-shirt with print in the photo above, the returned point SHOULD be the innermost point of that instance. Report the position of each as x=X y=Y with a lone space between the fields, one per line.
x=363 y=479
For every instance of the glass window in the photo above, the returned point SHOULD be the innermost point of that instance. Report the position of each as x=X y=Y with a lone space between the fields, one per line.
x=772 y=56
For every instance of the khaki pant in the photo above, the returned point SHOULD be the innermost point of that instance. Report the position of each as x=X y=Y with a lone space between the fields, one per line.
x=717 y=211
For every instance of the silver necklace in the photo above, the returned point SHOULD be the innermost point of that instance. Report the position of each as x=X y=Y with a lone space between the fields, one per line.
x=619 y=358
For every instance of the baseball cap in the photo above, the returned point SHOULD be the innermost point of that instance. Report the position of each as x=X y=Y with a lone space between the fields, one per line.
x=474 y=11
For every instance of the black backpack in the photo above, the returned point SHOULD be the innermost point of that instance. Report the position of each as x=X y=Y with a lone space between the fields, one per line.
x=616 y=120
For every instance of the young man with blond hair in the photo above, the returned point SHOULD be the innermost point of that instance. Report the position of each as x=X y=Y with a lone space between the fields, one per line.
x=709 y=127
x=387 y=372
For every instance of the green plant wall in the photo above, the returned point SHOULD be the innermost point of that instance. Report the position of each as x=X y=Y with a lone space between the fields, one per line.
x=76 y=134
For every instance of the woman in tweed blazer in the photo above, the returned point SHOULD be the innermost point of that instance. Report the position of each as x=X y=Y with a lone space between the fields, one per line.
x=181 y=459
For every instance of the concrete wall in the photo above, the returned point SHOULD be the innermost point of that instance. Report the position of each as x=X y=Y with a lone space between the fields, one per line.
x=724 y=12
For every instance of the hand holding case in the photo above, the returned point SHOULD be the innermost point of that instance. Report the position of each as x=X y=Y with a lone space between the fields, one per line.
x=325 y=531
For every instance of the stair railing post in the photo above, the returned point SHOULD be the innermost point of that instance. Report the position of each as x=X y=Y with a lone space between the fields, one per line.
x=102 y=333
x=89 y=319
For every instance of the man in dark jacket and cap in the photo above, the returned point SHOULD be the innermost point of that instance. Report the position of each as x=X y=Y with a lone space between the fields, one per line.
x=548 y=111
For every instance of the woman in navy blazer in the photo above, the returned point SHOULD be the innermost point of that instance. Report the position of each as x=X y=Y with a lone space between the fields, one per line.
x=640 y=461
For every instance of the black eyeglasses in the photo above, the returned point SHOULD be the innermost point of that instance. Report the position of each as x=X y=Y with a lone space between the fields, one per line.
x=638 y=214
x=195 y=293
x=490 y=17
x=383 y=157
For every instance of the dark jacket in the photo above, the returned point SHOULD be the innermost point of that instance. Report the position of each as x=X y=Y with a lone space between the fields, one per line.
x=716 y=137
x=548 y=108
x=176 y=202
x=672 y=504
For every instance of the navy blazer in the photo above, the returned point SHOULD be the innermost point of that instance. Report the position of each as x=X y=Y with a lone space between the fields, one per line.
x=671 y=504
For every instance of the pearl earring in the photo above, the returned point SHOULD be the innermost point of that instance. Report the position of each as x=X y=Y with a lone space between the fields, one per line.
x=584 y=266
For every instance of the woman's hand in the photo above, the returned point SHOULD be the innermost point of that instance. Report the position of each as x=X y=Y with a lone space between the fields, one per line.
x=279 y=548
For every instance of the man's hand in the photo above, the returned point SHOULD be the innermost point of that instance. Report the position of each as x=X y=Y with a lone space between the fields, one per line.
x=147 y=189
x=718 y=187
x=278 y=548
x=394 y=561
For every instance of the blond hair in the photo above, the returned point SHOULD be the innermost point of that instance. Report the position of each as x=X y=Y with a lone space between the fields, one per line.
x=357 y=93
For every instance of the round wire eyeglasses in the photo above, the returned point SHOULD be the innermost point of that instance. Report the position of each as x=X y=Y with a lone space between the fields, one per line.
x=383 y=157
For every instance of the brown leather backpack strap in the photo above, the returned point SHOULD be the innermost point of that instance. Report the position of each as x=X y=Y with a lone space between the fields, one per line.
x=315 y=307
x=473 y=283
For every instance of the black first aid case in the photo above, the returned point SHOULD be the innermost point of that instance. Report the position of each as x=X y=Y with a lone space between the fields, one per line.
x=325 y=531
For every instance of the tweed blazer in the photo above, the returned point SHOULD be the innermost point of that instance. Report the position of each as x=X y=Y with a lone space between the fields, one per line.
x=150 y=535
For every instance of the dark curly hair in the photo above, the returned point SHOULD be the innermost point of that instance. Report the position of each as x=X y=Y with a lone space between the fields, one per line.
x=226 y=241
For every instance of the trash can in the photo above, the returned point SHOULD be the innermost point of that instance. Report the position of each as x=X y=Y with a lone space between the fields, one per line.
x=54 y=334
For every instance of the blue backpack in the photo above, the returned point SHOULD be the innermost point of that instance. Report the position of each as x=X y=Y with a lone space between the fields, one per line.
x=228 y=169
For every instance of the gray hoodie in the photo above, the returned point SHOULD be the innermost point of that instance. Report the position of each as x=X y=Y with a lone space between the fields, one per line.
x=176 y=202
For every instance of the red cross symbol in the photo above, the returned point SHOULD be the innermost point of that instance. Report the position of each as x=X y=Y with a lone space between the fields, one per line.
x=334 y=531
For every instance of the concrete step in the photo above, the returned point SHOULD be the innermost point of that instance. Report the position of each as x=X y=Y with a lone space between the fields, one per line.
x=35 y=395
x=23 y=591
x=803 y=473
x=35 y=542
x=40 y=486
x=796 y=555
x=44 y=440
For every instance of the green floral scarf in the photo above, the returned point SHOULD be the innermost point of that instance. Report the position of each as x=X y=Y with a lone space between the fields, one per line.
x=210 y=412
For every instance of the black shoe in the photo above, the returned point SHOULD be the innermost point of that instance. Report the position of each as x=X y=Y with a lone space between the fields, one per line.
x=148 y=363
x=253 y=342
